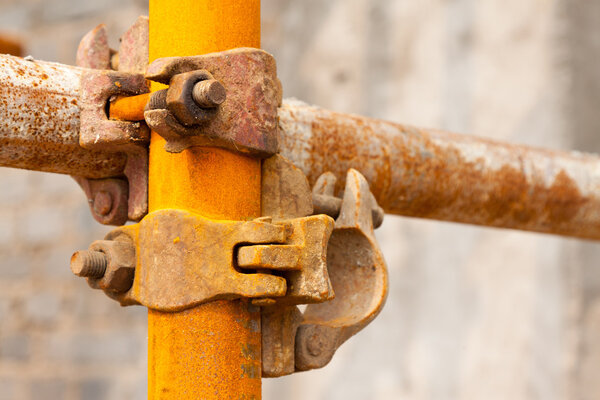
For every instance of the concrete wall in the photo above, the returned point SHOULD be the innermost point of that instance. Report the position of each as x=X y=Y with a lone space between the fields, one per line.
x=473 y=313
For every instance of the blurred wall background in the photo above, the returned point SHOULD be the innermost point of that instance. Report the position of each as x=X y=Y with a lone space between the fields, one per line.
x=473 y=313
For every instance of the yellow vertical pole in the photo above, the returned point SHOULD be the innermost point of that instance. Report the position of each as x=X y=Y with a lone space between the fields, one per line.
x=212 y=351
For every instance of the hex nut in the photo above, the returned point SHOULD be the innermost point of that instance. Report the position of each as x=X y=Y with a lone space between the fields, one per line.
x=120 y=269
x=180 y=98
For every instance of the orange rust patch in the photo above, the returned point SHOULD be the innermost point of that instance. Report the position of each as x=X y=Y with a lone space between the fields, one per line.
x=564 y=199
x=444 y=176
x=41 y=126
x=213 y=182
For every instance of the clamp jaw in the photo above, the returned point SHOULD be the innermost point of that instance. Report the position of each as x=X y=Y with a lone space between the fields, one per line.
x=298 y=341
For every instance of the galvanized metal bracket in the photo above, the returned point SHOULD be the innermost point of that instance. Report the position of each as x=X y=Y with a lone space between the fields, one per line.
x=245 y=122
x=98 y=132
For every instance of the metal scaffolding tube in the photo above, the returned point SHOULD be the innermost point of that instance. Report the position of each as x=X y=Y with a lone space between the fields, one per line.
x=413 y=172
x=212 y=351
x=433 y=174
x=39 y=124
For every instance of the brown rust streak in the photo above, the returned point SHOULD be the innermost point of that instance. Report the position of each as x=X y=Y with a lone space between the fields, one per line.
x=439 y=175
x=39 y=121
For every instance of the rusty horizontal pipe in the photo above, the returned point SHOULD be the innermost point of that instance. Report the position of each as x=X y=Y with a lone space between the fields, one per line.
x=433 y=174
x=39 y=121
x=413 y=172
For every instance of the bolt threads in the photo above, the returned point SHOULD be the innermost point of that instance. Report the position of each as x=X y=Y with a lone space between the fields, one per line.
x=158 y=100
x=89 y=263
x=209 y=93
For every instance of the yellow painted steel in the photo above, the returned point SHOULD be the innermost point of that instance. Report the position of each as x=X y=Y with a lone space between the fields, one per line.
x=212 y=351
x=129 y=108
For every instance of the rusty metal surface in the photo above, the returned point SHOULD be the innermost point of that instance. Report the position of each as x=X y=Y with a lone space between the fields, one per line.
x=211 y=351
x=295 y=341
x=107 y=199
x=412 y=172
x=444 y=176
x=184 y=259
x=93 y=50
x=39 y=121
x=285 y=191
x=302 y=257
x=108 y=265
x=134 y=50
x=133 y=58
x=245 y=122
x=325 y=202
x=180 y=100
x=98 y=132
x=89 y=263
x=120 y=265
x=358 y=274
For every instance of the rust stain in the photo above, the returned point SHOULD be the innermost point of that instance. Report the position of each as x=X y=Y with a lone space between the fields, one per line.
x=251 y=371
x=439 y=175
x=250 y=352
x=39 y=128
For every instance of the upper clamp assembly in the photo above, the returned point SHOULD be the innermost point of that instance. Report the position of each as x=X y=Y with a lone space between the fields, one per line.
x=207 y=103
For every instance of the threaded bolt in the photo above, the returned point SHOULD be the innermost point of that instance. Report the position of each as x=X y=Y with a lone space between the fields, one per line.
x=89 y=263
x=158 y=100
x=209 y=93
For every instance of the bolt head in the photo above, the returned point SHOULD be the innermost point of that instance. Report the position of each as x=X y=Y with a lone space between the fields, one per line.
x=103 y=203
x=180 y=98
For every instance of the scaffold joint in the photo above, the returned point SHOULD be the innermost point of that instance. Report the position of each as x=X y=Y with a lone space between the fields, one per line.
x=241 y=114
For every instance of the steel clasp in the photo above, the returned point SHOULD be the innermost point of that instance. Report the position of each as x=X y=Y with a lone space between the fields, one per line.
x=294 y=340
x=226 y=99
x=183 y=259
